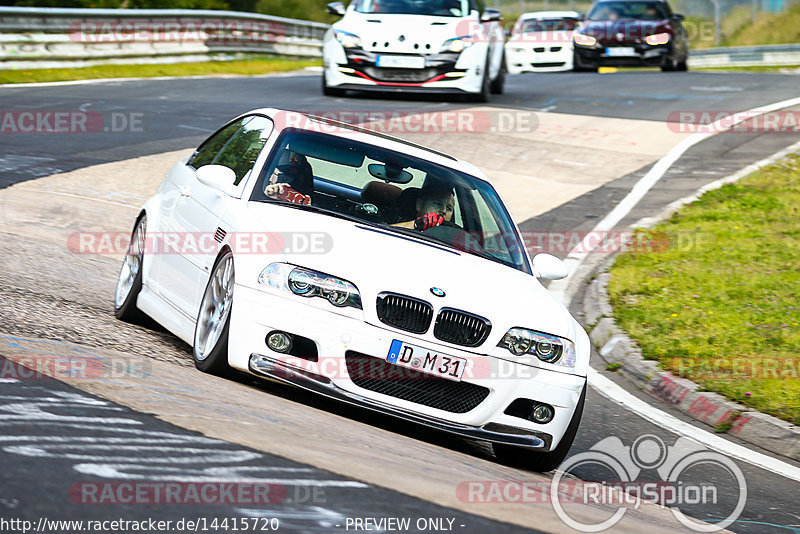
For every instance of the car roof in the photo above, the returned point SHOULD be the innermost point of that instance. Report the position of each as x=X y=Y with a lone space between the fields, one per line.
x=310 y=122
x=550 y=15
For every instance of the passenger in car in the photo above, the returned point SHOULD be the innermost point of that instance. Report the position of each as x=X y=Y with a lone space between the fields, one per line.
x=434 y=205
x=652 y=13
x=292 y=182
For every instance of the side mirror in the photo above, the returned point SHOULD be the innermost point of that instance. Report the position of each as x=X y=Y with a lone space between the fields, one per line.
x=217 y=177
x=549 y=267
x=336 y=8
x=678 y=17
x=490 y=15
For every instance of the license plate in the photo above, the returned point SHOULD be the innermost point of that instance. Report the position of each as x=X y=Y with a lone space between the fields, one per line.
x=426 y=360
x=401 y=62
x=621 y=51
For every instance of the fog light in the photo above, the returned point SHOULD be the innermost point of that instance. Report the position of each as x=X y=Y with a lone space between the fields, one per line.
x=542 y=413
x=279 y=341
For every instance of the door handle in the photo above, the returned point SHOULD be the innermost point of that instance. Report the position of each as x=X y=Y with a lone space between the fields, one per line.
x=185 y=191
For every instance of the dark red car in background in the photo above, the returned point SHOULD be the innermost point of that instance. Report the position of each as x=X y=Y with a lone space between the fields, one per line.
x=631 y=33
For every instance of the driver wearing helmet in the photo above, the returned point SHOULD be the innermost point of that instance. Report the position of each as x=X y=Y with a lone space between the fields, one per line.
x=434 y=206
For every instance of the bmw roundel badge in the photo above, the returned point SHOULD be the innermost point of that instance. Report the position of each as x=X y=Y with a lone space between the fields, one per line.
x=438 y=292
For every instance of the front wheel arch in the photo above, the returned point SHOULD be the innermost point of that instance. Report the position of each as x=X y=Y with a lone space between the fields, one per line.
x=215 y=361
x=543 y=461
x=127 y=310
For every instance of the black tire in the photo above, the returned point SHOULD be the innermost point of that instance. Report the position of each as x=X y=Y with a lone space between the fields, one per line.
x=215 y=361
x=542 y=461
x=670 y=64
x=498 y=84
x=577 y=67
x=330 y=91
x=682 y=65
x=125 y=308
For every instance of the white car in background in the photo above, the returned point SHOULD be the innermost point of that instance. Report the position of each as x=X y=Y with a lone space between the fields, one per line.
x=429 y=46
x=438 y=319
x=541 y=41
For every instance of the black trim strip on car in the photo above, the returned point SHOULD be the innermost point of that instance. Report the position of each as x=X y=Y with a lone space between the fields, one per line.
x=269 y=367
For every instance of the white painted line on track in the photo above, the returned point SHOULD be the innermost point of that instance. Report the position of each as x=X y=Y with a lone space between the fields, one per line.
x=618 y=395
x=561 y=289
x=8 y=380
x=564 y=289
x=77 y=196
x=716 y=184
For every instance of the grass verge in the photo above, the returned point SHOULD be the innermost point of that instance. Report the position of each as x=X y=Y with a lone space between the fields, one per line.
x=713 y=295
x=770 y=28
x=756 y=68
x=247 y=66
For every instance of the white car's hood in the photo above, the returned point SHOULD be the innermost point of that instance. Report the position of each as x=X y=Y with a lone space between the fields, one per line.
x=410 y=34
x=561 y=38
x=377 y=260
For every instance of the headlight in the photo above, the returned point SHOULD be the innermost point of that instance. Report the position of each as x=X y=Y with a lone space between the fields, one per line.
x=308 y=283
x=456 y=44
x=549 y=349
x=584 y=40
x=657 y=39
x=348 y=40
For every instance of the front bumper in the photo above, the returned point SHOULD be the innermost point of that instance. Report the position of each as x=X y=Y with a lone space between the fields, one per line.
x=255 y=313
x=644 y=55
x=442 y=73
x=273 y=368
x=538 y=57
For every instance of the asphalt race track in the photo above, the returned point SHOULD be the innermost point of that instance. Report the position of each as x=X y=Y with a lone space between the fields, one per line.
x=327 y=464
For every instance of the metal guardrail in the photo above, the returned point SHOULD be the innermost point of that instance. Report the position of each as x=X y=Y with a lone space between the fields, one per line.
x=46 y=37
x=62 y=37
x=745 y=56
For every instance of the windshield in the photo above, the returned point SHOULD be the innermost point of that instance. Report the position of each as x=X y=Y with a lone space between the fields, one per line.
x=627 y=11
x=547 y=25
x=391 y=190
x=440 y=8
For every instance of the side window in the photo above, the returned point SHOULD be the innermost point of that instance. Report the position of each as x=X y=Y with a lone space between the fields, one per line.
x=208 y=150
x=241 y=150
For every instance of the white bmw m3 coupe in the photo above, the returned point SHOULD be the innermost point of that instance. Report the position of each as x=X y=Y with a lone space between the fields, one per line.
x=364 y=268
